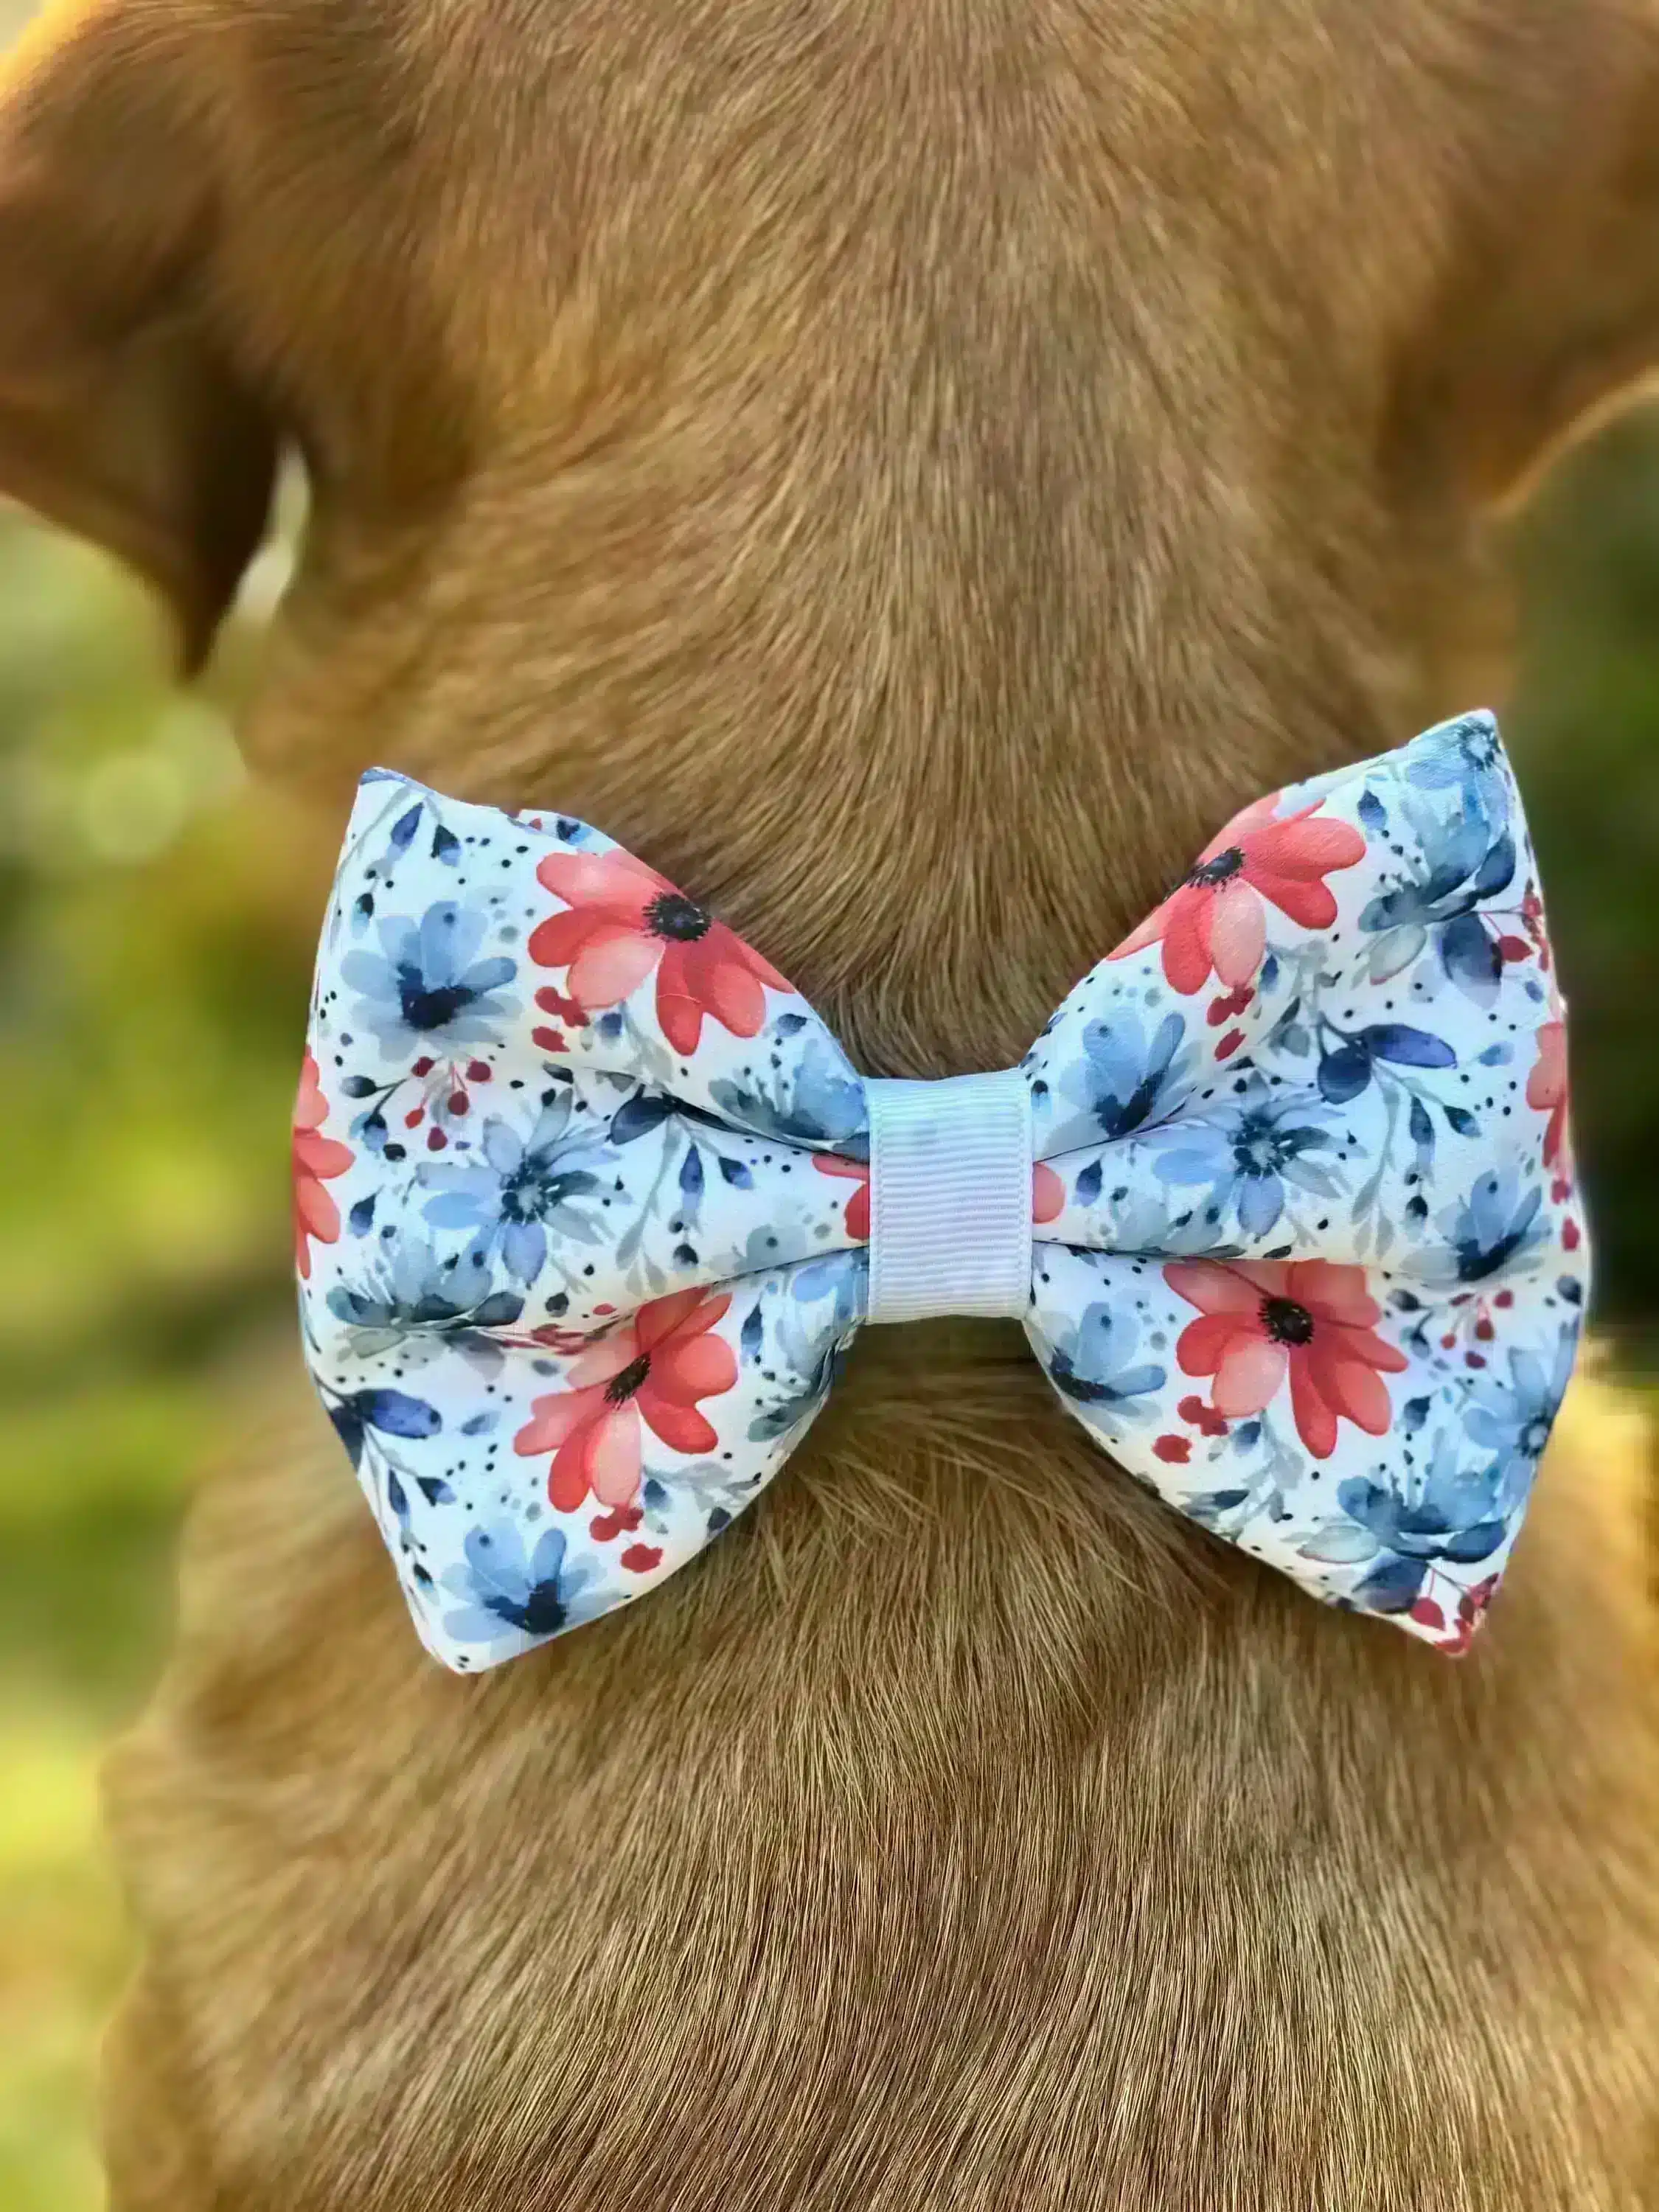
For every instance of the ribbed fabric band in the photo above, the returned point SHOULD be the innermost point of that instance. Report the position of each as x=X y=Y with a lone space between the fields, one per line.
x=950 y=1196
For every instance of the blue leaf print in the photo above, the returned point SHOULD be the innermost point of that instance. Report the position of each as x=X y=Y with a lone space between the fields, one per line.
x=358 y=1086
x=446 y=847
x=1344 y=1073
x=637 y=1116
x=435 y=1490
x=349 y=1427
x=691 y=1174
x=1372 y=812
x=403 y=828
x=1471 y=957
x=749 y=1336
x=735 y=1173
x=1421 y=1128
x=1459 y=1119
x=361 y=1220
x=370 y=1130
x=1477 y=1543
x=790 y=1024
x=394 y=1495
x=397 y=1414
x=1088 y=1184
x=1408 y=1047
x=1497 y=870
x=1393 y=1586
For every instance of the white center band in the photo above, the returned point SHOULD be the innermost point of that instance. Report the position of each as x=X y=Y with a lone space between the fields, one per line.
x=950 y=1196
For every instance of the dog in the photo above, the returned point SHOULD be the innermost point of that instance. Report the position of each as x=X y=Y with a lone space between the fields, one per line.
x=909 y=471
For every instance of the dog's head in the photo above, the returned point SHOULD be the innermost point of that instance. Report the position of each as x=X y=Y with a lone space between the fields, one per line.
x=976 y=445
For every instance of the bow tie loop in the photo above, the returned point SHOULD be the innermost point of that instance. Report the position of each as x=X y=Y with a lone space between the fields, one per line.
x=950 y=1198
x=590 y=1204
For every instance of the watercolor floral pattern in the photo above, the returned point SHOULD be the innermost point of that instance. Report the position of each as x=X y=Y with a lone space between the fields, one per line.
x=1215 y=922
x=583 y=1191
x=317 y=1160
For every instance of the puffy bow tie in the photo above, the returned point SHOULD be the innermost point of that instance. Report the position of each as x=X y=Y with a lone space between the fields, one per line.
x=589 y=1202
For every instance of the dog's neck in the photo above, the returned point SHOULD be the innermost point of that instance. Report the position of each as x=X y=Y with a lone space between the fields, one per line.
x=929 y=810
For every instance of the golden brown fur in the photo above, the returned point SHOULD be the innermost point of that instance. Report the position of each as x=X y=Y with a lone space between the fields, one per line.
x=907 y=470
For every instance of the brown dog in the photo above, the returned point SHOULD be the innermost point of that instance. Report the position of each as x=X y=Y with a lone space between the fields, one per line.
x=908 y=468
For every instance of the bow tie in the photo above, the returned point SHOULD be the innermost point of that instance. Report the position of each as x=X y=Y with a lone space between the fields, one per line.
x=589 y=1203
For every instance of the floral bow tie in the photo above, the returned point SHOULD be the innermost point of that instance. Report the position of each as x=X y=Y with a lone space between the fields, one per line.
x=589 y=1202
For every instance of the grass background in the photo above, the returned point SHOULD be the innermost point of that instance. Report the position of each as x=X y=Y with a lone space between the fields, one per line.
x=157 y=920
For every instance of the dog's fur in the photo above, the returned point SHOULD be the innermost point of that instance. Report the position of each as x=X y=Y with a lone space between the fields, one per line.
x=908 y=468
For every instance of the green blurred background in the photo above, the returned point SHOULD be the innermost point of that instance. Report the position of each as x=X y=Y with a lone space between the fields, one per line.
x=156 y=924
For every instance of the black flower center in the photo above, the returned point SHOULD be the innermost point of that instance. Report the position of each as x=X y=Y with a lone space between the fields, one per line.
x=1285 y=1322
x=532 y=1192
x=541 y=1614
x=680 y=919
x=621 y=1387
x=1221 y=870
x=1534 y=1435
x=428 y=1006
x=1259 y=1148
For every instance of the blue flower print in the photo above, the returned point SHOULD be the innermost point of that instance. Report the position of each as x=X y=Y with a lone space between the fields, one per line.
x=1466 y=862
x=814 y=1099
x=509 y=1592
x=425 y=986
x=408 y=1293
x=1499 y=1221
x=1251 y=1157
x=1091 y=1365
x=521 y=1190
x=1512 y=1417
x=1451 y=1514
x=1124 y=1080
x=1467 y=756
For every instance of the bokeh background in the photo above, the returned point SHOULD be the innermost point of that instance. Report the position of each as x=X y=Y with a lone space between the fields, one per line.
x=157 y=916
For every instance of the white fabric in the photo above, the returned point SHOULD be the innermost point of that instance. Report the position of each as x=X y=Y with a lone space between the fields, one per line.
x=950 y=1196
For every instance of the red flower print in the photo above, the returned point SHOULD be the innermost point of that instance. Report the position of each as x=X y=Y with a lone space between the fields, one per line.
x=1202 y=1417
x=317 y=1160
x=1047 y=1193
x=621 y=1521
x=1546 y=1090
x=1311 y=1318
x=1472 y=1604
x=653 y=1371
x=1226 y=1008
x=1175 y=1450
x=623 y=922
x=858 y=1205
x=1215 y=923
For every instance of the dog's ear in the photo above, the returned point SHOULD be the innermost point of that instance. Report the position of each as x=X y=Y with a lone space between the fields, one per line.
x=122 y=414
